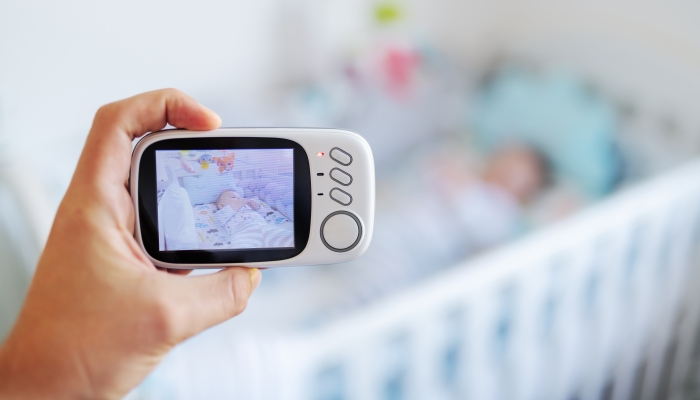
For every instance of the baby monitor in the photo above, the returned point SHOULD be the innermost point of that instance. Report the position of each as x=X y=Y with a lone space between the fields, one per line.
x=252 y=196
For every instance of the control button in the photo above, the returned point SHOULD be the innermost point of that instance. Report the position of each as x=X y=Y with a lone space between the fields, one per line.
x=341 y=176
x=341 y=231
x=341 y=156
x=340 y=196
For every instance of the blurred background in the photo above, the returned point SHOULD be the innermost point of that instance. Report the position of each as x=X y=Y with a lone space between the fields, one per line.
x=535 y=179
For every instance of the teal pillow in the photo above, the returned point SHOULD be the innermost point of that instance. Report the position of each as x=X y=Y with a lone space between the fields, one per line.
x=559 y=115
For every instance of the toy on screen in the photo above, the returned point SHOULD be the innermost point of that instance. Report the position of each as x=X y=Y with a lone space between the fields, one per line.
x=225 y=163
x=204 y=161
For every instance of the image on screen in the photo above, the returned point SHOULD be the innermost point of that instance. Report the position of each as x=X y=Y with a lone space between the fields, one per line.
x=225 y=199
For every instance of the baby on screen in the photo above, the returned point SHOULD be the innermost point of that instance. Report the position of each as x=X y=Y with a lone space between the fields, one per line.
x=243 y=221
x=240 y=218
x=232 y=199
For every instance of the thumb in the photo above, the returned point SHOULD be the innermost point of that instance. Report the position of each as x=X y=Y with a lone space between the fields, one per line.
x=200 y=302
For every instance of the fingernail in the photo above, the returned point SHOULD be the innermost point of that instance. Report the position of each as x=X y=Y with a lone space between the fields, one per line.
x=255 y=277
x=207 y=109
x=211 y=112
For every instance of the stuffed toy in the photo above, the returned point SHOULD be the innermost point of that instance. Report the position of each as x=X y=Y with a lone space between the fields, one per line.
x=204 y=161
x=225 y=163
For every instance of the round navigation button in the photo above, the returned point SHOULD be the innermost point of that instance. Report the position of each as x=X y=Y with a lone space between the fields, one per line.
x=341 y=231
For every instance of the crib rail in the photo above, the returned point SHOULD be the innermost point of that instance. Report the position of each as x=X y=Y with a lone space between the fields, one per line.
x=602 y=306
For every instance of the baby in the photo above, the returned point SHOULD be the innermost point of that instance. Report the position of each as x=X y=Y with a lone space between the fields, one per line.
x=487 y=202
x=520 y=172
x=232 y=199
x=240 y=217
x=244 y=221
x=491 y=206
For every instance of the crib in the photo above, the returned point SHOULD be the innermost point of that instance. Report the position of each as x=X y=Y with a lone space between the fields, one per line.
x=601 y=306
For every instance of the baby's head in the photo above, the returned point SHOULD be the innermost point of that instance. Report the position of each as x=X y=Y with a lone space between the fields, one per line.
x=521 y=171
x=226 y=198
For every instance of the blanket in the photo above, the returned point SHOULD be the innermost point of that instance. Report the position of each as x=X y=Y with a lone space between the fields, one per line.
x=226 y=229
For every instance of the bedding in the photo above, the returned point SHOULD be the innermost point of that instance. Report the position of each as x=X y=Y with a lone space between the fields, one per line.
x=272 y=229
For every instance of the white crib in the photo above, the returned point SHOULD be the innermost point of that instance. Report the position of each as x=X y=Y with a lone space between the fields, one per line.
x=601 y=306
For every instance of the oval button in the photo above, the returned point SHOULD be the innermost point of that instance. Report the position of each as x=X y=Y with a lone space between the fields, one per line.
x=341 y=176
x=341 y=156
x=341 y=231
x=340 y=196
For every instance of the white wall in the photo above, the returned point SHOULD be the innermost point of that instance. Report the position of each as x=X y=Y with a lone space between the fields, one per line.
x=645 y=52
x=60 y=61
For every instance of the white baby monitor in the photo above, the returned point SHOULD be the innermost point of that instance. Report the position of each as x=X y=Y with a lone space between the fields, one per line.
x=252 y=196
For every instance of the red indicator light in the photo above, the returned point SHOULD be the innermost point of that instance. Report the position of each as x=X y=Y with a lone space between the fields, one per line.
x=320 y=154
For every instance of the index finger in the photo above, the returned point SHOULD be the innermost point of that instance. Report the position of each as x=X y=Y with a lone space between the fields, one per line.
x=107 y=153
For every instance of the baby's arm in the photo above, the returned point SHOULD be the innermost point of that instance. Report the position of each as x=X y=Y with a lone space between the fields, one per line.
x=253 y=204
x=185 y=165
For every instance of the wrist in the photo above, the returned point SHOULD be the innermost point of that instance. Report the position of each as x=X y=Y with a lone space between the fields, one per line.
x=31 y=369
x=14 y=380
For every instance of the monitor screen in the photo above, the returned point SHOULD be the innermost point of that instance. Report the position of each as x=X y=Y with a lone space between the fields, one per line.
x=225 y=199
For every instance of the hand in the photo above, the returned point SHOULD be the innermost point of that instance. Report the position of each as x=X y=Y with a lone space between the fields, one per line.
x=99 y=316
x=254 y=205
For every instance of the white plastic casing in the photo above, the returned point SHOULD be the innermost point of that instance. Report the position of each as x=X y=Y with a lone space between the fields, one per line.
x=314 y=141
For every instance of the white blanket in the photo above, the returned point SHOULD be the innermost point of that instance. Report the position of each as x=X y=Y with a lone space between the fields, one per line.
x=249 y=230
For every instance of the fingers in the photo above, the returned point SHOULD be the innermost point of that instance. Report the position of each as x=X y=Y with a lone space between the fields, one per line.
x=106 y=156
x=150 y=111
x=175 y=271
x=179 y=271
x=207 y=300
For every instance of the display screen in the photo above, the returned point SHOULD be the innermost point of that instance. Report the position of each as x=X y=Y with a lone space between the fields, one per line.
x=225 y=199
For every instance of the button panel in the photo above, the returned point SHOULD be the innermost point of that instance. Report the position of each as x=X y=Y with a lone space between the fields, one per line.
x=340 y=196
x=341 y=231
x=341 y=176
x=340 y=156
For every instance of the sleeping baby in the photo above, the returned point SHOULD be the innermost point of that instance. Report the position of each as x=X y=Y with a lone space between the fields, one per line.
x=243 y=220
x=232 y=199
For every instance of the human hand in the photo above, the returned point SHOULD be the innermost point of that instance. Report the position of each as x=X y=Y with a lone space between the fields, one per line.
x=254 y=205
x=99 y=317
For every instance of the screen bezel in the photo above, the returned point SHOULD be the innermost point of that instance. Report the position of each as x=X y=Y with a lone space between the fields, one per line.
x=148 y=205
